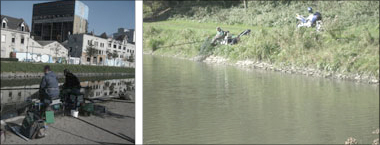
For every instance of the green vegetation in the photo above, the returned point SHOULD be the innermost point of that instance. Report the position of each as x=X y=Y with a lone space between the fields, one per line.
x=7 y=66
x=91 y=51
x=26 y=82
x=348 y=44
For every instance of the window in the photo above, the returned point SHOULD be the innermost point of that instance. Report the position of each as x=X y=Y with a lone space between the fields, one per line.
x=119 y=47
x=124 y=48
x=88 y=59
x=109 y=44
x=114 y=46
x=13 y=39
x=127 y=50
x=88 y=42
x=22 y=40
x=4 y=24
x=2 y=38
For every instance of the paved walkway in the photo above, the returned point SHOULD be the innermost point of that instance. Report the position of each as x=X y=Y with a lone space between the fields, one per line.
x=116 y=127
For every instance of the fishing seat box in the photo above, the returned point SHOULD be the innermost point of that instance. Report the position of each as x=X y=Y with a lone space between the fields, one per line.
x=86 y=109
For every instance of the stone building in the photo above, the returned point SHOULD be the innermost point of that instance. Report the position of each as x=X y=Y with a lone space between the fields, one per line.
x=130 y=33
x=44 y=51
x=14 y=36
x=77 y=45
x=16 y=42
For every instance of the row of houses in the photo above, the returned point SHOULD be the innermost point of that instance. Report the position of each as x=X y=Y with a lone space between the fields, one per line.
x=17 y=42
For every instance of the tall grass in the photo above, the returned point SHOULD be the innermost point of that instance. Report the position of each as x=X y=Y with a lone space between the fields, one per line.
x=348 y=44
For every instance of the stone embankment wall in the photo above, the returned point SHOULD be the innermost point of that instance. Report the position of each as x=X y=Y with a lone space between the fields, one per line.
x=293 y=70
x=21 y=75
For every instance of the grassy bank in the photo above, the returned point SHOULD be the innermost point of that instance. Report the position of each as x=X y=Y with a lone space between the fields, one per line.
x=349 y=44
x=11 y=66
x=33 y=81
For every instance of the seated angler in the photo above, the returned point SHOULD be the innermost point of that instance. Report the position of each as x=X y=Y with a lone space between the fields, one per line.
x=48 y=90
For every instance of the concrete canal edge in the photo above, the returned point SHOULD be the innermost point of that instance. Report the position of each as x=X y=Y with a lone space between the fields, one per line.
x=22 y=75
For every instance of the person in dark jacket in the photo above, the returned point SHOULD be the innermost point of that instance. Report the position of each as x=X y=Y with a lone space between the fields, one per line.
x=70 y=87
x=71 y=81
x=49 y=90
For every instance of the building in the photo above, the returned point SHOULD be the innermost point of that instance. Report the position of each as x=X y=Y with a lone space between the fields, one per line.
x=55 y=20
x=14 y=36
x=78 y=44
x=17 y=43
x=130 y=33
x=44 y=51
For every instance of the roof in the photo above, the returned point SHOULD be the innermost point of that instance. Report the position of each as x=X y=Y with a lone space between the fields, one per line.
x=104 y=35
x=44 y=43
x=15 y=23
x=121 y=37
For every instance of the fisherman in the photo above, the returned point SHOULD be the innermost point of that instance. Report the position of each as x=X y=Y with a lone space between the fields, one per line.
x=230 y=38
x=71 y=81
x=311 y=19
x=48 y=90
x=234 y=39
x=219 y=35
x=227 y=38
x=71 y=86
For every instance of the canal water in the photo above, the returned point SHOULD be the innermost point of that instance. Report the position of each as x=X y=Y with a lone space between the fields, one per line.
x=14 y=96
x=193 y=102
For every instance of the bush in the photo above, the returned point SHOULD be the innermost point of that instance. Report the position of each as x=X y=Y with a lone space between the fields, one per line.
x=349 y=42
x=8 y=59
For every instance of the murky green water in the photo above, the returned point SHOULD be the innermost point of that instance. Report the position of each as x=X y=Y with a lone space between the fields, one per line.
x=190 y=102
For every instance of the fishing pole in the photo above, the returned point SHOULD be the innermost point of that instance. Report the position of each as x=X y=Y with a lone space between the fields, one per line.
x=179 y=44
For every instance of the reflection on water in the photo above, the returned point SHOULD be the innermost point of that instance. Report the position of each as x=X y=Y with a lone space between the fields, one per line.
x=16 y=94
x=191 y=102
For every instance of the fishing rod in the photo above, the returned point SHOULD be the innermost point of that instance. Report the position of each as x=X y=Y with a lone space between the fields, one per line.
x=33 y=88
x=180 y=44
x=120 y=136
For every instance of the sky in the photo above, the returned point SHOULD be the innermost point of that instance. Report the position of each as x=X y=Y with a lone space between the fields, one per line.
x=104 y=16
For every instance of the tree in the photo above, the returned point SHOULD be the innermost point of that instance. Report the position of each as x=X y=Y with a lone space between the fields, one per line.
x=114 y=56
x=131 y=58
x=91 y=51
